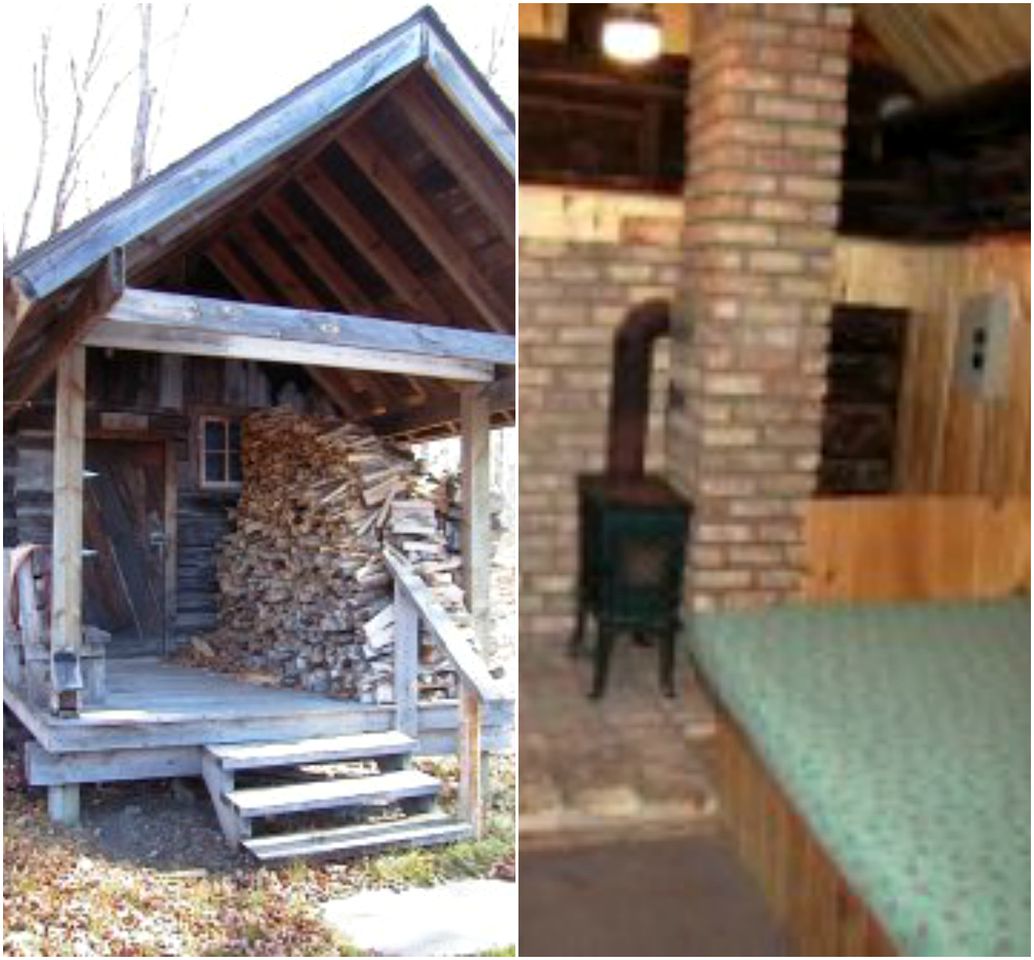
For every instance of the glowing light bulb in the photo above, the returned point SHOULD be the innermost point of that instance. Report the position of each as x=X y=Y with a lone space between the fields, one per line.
x=632 y=33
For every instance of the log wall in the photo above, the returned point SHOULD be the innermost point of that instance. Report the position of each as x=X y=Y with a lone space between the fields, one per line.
x=144 y=396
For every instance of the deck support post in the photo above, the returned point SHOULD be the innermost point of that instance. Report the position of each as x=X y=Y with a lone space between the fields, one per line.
x=67 y=556
x=63 y=804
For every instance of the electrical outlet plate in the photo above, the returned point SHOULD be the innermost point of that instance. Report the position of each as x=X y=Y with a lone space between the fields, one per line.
x=982 y=344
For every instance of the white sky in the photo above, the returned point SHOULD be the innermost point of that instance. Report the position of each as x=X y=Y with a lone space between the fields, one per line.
x=233 y=58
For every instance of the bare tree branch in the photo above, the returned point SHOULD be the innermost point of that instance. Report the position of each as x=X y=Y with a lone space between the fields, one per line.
x=82 y=81
x=163 y=89
x=40 y=70
x=145 y=97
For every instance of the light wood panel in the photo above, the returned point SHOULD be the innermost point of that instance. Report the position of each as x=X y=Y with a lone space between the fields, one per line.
x=950 y=441
x=916 y=548
x=945 y=47
x=804 y=888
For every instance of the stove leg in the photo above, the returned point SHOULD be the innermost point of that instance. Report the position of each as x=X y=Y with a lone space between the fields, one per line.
x=667 y=652
x=575 y=645
x=604 y=645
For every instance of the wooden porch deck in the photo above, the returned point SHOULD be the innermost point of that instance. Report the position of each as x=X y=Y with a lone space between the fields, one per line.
x=155 y=707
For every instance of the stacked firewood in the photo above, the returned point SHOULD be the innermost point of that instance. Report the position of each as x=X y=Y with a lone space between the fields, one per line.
x=304 y=592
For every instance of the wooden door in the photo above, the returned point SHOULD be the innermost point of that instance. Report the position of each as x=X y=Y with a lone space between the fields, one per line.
x=123 y=510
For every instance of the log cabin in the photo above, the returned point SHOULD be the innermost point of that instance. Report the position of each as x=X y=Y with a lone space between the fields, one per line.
x=346 y=251
x=835 y=202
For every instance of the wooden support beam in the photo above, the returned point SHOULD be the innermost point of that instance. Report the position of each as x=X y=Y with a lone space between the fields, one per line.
x=418 y=214
x=175 y=323
x=495 y=195
x=467 y=89
x=366 y=238
x=99 y=290
x=63 y=804
x=236 y=274
x=471 y=757
x=476 y=529
x=209 y=220
x=332 y=384
x=407 y=662
x=293 y=288
x=66 y=631
x=319 y=260
x=500 y=395
x=17 y=304
x=233 y=271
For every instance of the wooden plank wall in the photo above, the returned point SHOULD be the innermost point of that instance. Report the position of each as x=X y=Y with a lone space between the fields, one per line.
x=950 y=441
x=916 y=548
x=134 y=395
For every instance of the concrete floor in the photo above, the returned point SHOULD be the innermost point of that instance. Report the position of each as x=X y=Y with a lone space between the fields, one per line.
x=683 y=896
x=598 y=768
x=621 y=848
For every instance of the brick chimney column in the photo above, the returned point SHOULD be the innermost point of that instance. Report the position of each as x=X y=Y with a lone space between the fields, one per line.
x=767 y=109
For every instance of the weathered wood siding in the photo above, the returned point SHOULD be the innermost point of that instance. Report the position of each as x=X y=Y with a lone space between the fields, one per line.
x=950 y=441
x=137 y=396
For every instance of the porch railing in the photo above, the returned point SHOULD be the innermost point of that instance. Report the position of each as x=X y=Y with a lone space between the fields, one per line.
x=416 y=604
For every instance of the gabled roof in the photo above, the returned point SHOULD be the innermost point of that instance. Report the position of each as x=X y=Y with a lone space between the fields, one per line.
x=382 y=187
x=224 y=163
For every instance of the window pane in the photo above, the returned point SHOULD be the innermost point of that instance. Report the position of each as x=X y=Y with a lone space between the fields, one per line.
x=235 y=466
x=235 y=436
x=215 y=467
x=215 y=435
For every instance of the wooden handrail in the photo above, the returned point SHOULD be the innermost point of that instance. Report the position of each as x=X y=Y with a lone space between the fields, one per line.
x=469 y=665
x=414 y=601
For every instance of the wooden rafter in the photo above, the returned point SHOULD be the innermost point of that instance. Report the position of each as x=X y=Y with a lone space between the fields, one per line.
x=236 y=274
x=101 y=288
x=465 y=162
x=364 y=236
x=293 y=287
x=410 y=205
x=322 y=263
x=500 y=395
x=241 y=202
x=333 y=383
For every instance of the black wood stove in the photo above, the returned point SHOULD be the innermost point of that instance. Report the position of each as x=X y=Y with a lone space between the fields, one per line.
x=633 y=526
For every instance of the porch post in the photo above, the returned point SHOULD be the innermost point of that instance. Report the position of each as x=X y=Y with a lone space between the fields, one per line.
x=67 y=557
x=475 y=421
x=477 y=532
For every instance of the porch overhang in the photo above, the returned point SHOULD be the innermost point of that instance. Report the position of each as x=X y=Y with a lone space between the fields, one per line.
x=156 y=322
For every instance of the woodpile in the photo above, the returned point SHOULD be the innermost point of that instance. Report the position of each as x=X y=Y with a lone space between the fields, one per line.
x=304 y=592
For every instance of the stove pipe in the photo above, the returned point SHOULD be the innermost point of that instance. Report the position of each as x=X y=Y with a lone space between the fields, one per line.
x=630 y=389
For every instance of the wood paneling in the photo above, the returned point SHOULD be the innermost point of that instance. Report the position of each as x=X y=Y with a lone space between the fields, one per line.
x=803 y=886
x=944 y=47
x=950 y=441
x=916 y=548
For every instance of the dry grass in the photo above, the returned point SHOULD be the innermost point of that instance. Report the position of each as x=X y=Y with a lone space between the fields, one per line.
x=64 y=897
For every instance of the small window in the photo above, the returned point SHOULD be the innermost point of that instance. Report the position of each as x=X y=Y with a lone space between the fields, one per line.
x=220 y=454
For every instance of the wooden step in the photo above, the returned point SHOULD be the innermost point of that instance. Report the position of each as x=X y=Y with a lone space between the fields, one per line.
x=326 y=794
x=418 y=831
x=286 y=753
